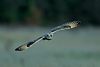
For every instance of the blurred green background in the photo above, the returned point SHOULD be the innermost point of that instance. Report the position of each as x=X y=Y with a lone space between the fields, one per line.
x=75 y=48
x=22 y=21
x=45 y=12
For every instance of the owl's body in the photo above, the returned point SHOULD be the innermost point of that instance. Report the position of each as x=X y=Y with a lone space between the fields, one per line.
x=49 y=35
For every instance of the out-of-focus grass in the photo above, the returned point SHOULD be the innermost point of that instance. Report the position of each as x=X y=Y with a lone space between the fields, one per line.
x=79 y=48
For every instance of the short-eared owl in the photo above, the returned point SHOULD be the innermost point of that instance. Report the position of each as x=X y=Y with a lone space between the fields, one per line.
x=49 y=35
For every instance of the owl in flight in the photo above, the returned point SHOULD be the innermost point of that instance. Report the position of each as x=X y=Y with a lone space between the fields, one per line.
x=49 y=35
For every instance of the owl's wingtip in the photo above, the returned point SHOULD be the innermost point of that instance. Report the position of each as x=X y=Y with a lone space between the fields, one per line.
x=17 y=49
x=78 y=22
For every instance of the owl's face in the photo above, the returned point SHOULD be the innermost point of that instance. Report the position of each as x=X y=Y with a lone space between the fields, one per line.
x=48 y=36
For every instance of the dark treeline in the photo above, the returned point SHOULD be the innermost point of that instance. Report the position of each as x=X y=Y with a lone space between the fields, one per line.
x=49 y=11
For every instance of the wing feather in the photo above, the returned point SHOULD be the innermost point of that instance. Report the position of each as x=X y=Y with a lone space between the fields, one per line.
x=68 y=25
x=29 y=44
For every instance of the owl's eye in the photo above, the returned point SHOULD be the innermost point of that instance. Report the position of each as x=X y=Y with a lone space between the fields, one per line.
x=51 y=35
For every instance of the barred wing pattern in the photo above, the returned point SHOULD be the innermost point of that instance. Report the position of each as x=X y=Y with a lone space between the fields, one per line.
x=29 y=44
x=49 y=35
x=68 y=25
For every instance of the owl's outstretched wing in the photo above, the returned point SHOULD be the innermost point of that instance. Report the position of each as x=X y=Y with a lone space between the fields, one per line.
x=29 y=44
x=68 y=25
